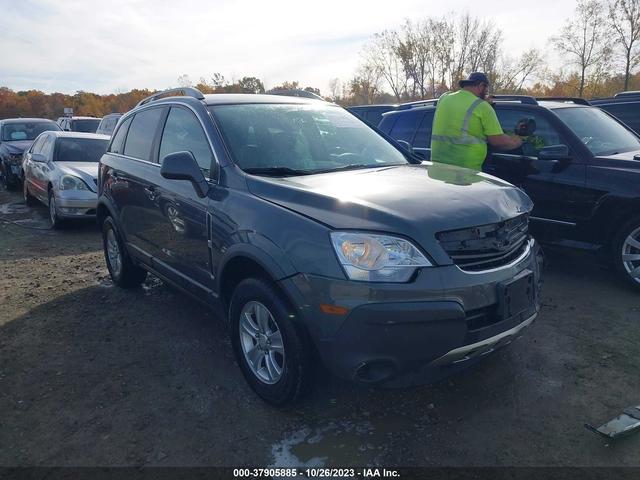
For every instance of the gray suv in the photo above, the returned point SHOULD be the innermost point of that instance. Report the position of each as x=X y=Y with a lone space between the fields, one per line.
x=322 y=240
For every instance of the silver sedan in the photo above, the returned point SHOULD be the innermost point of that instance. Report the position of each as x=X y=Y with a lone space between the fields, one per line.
x=61 y=170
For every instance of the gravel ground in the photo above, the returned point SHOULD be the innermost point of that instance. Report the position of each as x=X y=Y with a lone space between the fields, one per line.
x=92 y=375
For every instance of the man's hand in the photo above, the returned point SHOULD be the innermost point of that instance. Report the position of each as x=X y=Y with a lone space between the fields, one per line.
x=504 y=142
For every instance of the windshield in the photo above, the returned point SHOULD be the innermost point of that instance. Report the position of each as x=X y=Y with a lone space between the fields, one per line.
x=80 y=149
x=26 y=130
x=86 y=126
x=598 y=131
x=290 y=139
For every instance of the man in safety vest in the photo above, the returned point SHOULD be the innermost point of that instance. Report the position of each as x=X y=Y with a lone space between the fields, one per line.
x=464 y=123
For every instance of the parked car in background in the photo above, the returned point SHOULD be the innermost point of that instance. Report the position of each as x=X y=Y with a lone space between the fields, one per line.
x=79 y=124
x=16 y=135
x=108 y=124
x=371 y=114
x=60 y=170
x=319 y=237
x=625 y=106
x=579 y=165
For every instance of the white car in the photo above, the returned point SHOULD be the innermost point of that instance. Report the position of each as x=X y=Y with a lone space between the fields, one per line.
x=61 y=170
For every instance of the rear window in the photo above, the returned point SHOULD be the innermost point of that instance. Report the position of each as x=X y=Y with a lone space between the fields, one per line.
x=25 y=130
x=80 y=149
x=406 y=126
x=628 y=113
x=141 y=134
x=85 y=126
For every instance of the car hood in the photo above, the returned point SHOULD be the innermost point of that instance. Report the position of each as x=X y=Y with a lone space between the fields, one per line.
x=411 y=200
x=17 y=147
x=88 y=171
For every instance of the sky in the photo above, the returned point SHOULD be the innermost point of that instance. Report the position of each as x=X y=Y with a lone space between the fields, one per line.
x=117 y=45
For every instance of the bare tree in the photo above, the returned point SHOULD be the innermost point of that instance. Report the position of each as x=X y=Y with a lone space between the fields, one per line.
x=584 y=39
x=184 y=81
x=365 y=86
x=382 y=53
x=512 y=74
x=624 y=16
x=335 y=87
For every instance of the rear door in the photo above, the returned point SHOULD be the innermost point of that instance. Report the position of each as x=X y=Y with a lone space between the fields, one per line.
x=134 y=174
x=545 y=181
x=406 y=125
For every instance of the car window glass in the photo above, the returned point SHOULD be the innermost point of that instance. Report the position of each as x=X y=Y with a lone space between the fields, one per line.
x=536 y=131
x=37 y=146
x=141 y=133
x=26 y=130
x=600 y=133
x=48 y=144
x=183 y=132
x=311 y=137
x=423 y=135
x=406 y=125
x=117 y=143
x=628 y=113
x=71 y=149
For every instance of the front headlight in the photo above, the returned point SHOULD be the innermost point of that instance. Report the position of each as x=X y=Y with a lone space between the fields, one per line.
x=15 y=158
x=377 y=258
x=69 y=182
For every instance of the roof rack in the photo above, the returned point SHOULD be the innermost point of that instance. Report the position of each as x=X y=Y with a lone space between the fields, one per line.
x=418 y=103
x=630 y=93
x=526 y=99
x=576 y=100
x=186 y=91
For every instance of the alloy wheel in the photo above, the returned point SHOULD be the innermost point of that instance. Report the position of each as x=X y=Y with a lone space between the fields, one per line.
x=261 y=342
x=113 y=253
x=631 y=254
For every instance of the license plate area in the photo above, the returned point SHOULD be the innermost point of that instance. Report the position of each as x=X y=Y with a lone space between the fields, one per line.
x=517 y=295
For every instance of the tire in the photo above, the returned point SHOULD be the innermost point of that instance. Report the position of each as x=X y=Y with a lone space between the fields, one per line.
x=122 y=270
x=54 y=218
x=626 y=252
x=29 y=201
x=291 y=368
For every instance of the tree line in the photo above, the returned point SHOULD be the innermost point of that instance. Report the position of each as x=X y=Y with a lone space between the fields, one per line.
x=598 y=47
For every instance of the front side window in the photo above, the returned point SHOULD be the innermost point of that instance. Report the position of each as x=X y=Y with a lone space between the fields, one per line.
x=534 y=129
x=423 y=135
x=598 y=131
x=182 y=132
x=37 y=145
x=141 y=134
x=25 y=130
x=79 y=149
x=301 y=139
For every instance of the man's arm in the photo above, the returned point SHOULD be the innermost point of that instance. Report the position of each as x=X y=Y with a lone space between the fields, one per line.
x=504 y=142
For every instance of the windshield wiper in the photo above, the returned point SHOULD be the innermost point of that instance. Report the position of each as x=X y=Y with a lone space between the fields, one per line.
x=277 y=171
x=351 y=166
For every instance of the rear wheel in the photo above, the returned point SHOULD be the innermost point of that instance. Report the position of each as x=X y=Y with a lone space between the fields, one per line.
x=272 y=350
x=123 y=271
x=626 y=252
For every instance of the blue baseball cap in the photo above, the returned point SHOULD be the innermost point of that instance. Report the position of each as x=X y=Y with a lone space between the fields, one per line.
x=475 y=77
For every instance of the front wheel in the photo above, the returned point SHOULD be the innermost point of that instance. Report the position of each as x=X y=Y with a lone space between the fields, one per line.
x=123 y=271
x=54 y=217
x=29 y=201
x=626 y=252
x=272 y=350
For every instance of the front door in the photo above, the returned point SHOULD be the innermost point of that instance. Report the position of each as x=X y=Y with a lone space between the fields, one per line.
x=182 y=231
x=545 y=181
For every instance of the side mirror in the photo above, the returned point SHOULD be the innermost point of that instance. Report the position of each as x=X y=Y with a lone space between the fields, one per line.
x=183 y=166
x=38 y=157
x=406 y=145
x=554 y=152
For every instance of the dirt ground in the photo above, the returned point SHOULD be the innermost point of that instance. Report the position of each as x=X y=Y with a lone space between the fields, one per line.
x=92 y=375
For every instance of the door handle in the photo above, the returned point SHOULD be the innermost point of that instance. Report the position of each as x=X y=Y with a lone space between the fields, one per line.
x=150 y=190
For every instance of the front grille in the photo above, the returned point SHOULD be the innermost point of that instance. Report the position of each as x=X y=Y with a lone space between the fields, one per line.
x=487 y=246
